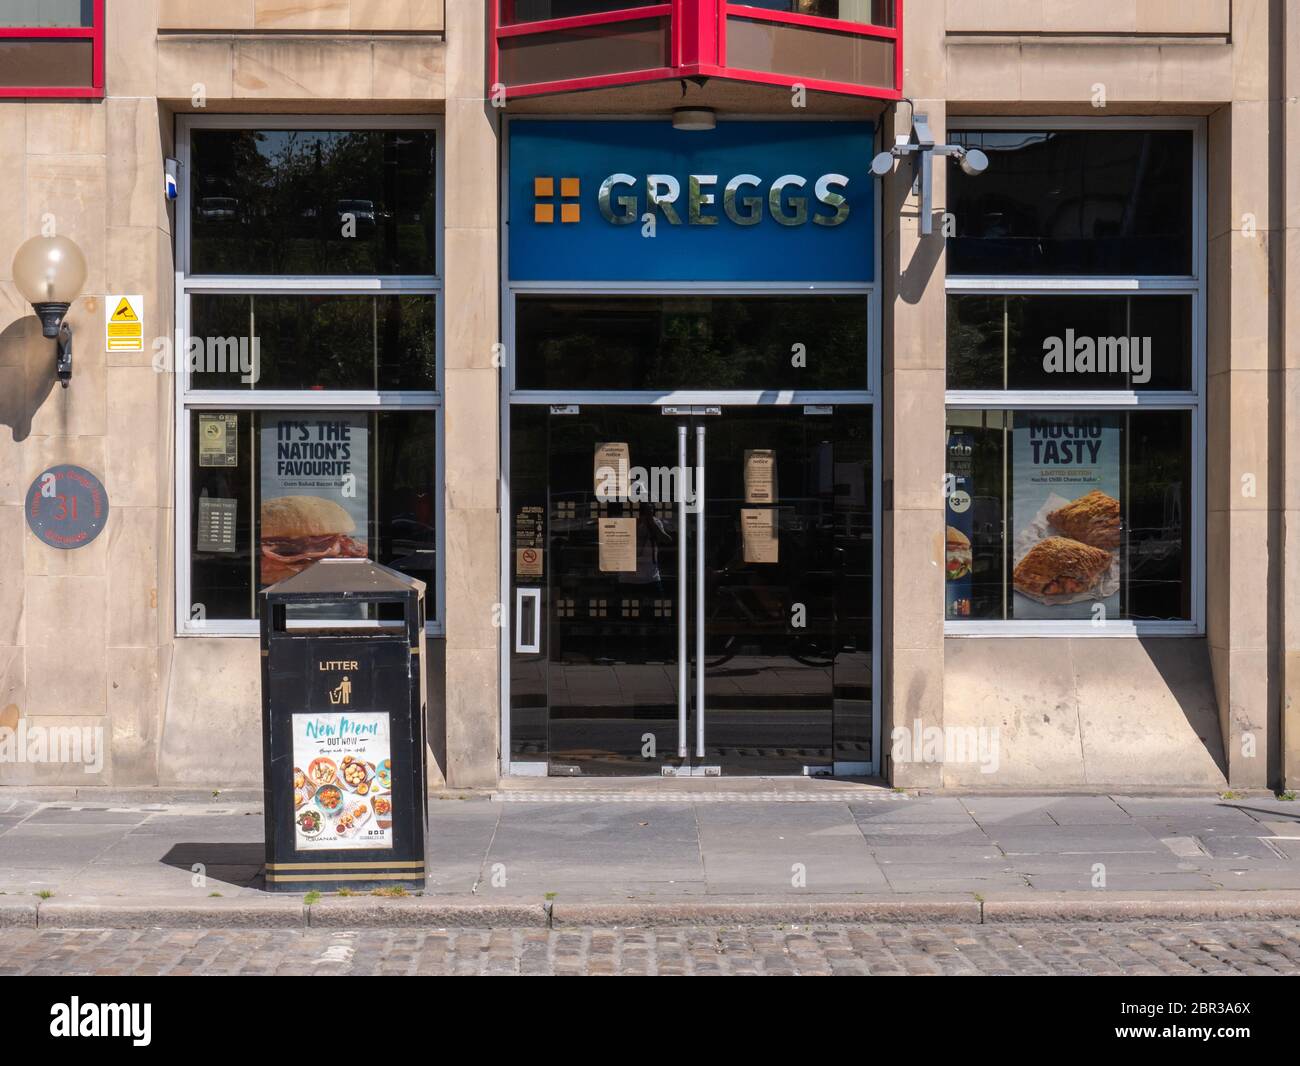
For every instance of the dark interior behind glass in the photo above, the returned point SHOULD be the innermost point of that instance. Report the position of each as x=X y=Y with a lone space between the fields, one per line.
x=997 y=342
x=691 y=342
x=331 y=202
x=1086 y=202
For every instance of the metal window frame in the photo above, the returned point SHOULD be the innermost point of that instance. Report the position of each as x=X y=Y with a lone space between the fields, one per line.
x=510 y=398
x=188 y=399
x=95 y=33
x=1192 y=399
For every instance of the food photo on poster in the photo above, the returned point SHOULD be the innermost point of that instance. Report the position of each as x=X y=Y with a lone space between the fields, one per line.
x=1067 y=520
x=313 y=485
x=342 y=779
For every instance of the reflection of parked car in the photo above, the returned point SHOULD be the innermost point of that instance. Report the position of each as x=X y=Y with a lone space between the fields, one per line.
x=363 y=211
x=217 y=208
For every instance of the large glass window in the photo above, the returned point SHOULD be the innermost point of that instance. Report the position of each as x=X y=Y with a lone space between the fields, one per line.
x=1074 y=202
x=316 y=201
x=310 y=400
x=1075 y=346
x=1069 y=514
x=771 y=341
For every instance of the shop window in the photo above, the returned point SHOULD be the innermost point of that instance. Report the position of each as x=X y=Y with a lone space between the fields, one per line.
x=1075 y=369
x=52 y=48
x=610 y=341
x=1069 y=342
x=328 y=202
x=330 y=341
x=310 y=396
x=270 y=494
x=1074 y=202
x=869 y=12
x=517 y=11
x=1069 y=514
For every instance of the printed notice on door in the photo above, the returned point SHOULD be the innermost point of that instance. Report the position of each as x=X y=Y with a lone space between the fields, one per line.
x=342 y=780
x=617 y=545
x=758 y=530
x=610 y=472
x=760 y=475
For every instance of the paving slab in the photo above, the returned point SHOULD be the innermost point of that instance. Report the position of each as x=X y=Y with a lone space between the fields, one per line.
x=922 y=809
x=456 y=845
x=1009 y=810
x=1075 y=839
x=783 y=848
x=41 y=847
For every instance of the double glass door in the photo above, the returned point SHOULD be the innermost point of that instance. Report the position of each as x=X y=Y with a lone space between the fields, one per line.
x=692 y=589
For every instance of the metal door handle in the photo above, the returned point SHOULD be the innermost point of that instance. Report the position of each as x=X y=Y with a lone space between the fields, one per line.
x=682 y=750
x=699 y=591
x=528 y=620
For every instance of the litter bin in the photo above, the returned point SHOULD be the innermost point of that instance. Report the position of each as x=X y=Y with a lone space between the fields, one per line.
x=343 y=731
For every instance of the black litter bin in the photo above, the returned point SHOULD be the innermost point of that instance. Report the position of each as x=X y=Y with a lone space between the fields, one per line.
x=343 y=731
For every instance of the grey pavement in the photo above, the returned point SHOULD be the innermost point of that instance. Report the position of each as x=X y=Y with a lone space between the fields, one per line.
x=645 y=847
x=1177 y=949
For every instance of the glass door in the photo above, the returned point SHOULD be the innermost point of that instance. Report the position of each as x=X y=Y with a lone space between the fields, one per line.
x=700 y=600
x=616 y=628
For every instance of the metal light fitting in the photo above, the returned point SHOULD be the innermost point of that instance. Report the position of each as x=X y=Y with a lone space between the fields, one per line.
x=920 y=145
x=49 y=272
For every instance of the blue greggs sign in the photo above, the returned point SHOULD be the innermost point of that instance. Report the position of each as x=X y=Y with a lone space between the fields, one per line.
x=640 y=201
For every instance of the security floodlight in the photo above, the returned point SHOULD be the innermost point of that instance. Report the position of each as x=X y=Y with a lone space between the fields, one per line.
x=973 y=162
x=920 y=145
x=882 y=164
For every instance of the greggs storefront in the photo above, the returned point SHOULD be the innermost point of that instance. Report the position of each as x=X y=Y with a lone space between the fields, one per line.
x=759 y=387
x=690 y=440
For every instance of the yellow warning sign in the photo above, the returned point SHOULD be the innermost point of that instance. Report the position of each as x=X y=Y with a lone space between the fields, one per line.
x=124 y=328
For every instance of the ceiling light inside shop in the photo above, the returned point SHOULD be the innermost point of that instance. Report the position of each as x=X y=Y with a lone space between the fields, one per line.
x=694 y=118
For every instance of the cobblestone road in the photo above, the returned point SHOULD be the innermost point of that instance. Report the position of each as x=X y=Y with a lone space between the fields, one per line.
x=1131 y=948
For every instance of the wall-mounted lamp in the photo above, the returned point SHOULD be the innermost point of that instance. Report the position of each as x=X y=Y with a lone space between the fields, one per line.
x=921 y=145
x=694 y=118
x=49 y=272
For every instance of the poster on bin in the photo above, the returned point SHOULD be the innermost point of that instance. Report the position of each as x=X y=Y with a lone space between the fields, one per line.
x=1067 y=520
x=313 y=490
x=342 y=779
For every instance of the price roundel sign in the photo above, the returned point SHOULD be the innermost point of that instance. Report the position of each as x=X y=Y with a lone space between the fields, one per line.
x=67 y=507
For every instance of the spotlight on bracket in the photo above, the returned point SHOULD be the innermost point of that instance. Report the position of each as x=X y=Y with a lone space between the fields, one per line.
x=920 y=145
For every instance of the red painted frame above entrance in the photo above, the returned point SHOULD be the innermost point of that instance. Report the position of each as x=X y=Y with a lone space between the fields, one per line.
x=849 y=47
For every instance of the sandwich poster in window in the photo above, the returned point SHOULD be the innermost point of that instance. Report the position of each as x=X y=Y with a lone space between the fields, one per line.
x=314 y=474
x=1067 y=520
x=342 y=780
x=958 y=555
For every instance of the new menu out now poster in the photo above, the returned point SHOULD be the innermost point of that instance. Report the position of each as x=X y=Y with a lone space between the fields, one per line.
x=342 y=779
x=1067 y=522
x=313 y=485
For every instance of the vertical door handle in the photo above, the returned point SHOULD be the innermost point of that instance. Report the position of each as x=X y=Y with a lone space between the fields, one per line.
x=682 y=675
x=699 y=591
x=528 y=620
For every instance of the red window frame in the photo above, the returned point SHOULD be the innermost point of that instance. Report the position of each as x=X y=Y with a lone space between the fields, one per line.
x=94 y=33
x=698 y=45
